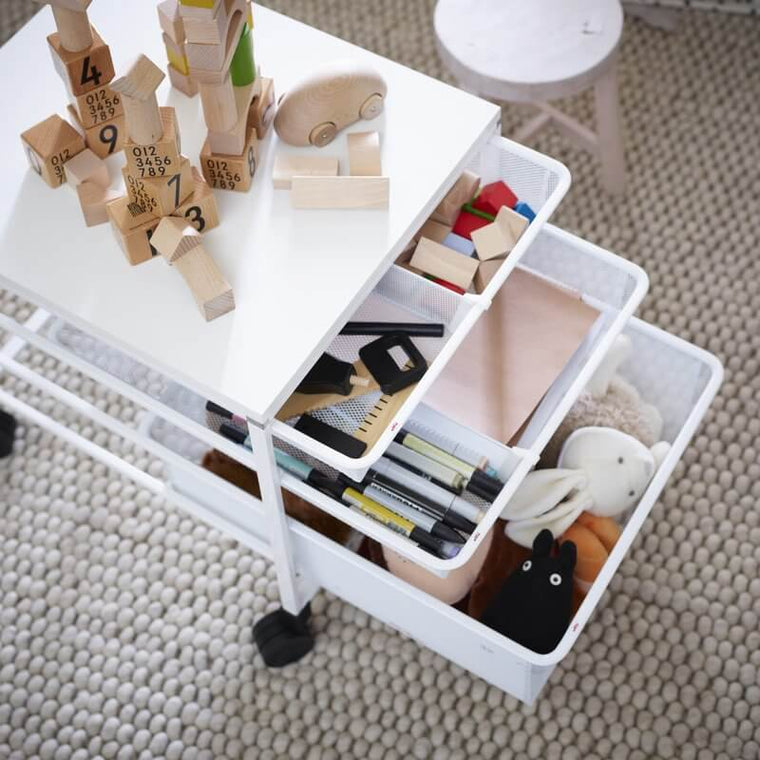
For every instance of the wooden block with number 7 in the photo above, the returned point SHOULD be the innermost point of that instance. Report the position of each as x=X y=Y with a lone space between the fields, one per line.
x=84 y=70
x=160 y=195
x=225 y=172
x=104 y=139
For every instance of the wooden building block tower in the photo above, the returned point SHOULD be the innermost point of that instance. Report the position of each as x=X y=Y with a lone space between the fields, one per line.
x=84 y=63
x=173 y=35
x=219 y=52
x=159 y=180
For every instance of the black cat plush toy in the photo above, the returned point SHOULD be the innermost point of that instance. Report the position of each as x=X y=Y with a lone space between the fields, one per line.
x=533 y=606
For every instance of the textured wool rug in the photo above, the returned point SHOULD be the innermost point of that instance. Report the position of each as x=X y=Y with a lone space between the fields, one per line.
x=125 y=626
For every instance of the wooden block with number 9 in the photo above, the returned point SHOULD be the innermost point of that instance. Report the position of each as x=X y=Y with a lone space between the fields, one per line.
x=200 y=208
x=160 y=195
x=84 y=70
x=104 y=139
x=98 y=106
x=231 y=172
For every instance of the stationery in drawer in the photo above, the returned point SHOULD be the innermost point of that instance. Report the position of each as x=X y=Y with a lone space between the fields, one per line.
x=512 y=356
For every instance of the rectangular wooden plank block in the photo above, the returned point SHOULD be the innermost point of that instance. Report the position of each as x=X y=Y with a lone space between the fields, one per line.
x=433 y=230
x=212 y=293
x=364 y=154
x=442 y=262
x=339 y=192
x=289 y=165
x=49 y=145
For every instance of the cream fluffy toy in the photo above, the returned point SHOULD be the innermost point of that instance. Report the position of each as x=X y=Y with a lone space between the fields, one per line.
x=600 y=471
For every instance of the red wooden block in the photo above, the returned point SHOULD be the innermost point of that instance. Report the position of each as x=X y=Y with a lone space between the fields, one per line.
x=492 y=197
x=467 y=223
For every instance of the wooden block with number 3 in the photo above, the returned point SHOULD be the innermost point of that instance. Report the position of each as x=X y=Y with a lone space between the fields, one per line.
x=105 y=139
x=160 y=195
x=49 y=145
x=84 y=70
x=227 y=172
x=200 y=208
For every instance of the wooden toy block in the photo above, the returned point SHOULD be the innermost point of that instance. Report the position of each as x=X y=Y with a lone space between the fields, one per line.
x=364 y=154
x=171 y=21
x=72 y=23
x=182 y=82
x=231 y=172
x=458 y=243
x=525 y=210
x=138 y=90
x=242 y=66
x=210 y=64
x=232 y=141
x=160 y=195
x=499 y=237
x=180 y=244
x=466 y=223
x=261 y=112
x=49 y=145
x=288 y=165
x=433 y=230
x=200 y=208
x=485 y=273
x=219 y=104
x=87 y=167
x=105 y=139
x=193 y=11
x=205 y=4
x=175 y=53
x=160 y=159
x=437 y=260
x=98 y=106
x=93 y=199
x=132 y=230
x=493 y=196
x=82 y=70
x=205 y=27
x=464 y=189
x=339 y=192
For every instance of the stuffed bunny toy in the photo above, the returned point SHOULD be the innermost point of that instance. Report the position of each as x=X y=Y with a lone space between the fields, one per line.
x=534 y=605
x=608 y=400
x=600 y=470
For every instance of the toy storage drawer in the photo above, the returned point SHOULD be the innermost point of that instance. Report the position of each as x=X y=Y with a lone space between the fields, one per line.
x=681 y=380
x=607 y=282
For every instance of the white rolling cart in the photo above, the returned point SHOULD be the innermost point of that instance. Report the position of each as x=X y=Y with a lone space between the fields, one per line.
x=298 y=277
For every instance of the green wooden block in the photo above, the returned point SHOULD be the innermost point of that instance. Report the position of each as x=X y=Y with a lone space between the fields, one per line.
x=472 y=210
x=243 y=68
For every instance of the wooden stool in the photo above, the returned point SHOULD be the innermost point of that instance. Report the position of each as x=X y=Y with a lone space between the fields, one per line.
x=537 y=51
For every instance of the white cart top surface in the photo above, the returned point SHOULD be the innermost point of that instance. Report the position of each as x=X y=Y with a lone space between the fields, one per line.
x=297 y=275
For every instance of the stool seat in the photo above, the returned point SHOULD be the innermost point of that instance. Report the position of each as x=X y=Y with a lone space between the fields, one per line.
x=535 y=51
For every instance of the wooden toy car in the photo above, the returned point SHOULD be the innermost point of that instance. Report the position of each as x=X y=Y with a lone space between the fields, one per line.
x=329 y=100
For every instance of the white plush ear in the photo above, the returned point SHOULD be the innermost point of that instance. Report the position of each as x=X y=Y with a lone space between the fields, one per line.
x=557 y=520
x=541 y=491
x=659 y=452
x=619 y=351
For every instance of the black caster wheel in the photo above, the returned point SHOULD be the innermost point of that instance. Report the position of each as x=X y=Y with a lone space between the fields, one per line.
x=283 y=638
x=7 y=433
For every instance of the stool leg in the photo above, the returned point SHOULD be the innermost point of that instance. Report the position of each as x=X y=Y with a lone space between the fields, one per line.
x=610 y=132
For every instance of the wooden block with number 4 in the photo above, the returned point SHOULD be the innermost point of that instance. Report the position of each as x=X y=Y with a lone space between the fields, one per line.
x=200 y=208
x=105 y=139
x=158 y=159
x=225 y=172
x=160 y=195
x=49 y=145
x=84 y=70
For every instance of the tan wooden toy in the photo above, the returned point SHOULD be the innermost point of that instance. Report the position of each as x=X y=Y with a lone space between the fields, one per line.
x=330 y=99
